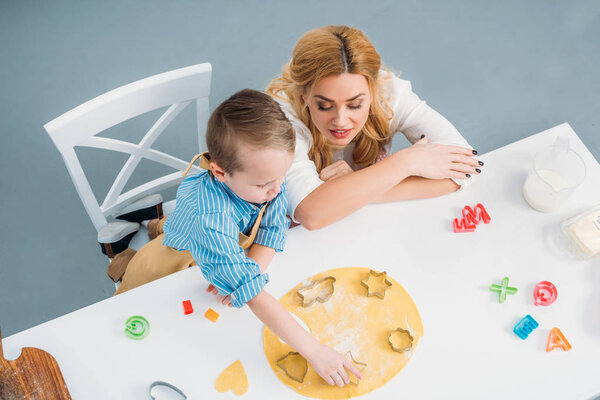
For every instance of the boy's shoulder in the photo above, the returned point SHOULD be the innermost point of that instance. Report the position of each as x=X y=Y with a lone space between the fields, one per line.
x=203 y=193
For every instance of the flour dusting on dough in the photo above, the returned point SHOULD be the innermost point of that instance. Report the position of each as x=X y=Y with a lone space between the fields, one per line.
x=350 y=321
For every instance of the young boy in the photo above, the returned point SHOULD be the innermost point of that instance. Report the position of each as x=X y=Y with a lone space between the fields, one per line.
x=251 y=145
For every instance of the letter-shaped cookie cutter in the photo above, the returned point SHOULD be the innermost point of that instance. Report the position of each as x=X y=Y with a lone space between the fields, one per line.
x=374 y=274
x=360 y=365
x=287 y=372
x=137 y=327
x=401 y=332
x=303 y=292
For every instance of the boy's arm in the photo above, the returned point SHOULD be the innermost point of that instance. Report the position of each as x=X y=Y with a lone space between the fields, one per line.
x=272 y=232
x=262 y=255
x=274 y=225
x=327 y=362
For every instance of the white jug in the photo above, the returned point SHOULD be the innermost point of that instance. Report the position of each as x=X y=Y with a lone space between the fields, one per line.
x=557 y=171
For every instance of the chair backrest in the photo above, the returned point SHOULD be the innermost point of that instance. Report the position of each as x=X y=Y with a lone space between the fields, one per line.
x=79 y=127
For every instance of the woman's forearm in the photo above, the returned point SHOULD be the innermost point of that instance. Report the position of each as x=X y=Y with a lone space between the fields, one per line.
x=416 y=187
x=279 y=320
x=340 y=197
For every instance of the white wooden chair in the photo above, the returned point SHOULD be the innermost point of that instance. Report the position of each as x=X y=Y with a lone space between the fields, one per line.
x=79 y=127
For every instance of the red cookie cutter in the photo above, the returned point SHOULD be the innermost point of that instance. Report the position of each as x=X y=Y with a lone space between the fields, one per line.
x=544 y=294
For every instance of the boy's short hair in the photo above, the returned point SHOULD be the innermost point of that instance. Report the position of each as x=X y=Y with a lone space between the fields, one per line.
x=251 y=117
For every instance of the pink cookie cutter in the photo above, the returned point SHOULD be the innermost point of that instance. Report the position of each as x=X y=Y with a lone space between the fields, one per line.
x=544 y=294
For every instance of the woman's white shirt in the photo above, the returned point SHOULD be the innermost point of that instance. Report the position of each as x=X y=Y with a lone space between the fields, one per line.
x=412 y=117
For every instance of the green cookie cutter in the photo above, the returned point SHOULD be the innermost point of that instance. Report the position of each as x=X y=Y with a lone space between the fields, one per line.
x=137 y=327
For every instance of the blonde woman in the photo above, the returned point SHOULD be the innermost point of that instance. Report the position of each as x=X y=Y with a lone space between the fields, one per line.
x=345 y=108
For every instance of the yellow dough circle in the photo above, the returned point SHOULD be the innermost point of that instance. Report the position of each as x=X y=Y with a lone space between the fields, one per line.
x=350 y=321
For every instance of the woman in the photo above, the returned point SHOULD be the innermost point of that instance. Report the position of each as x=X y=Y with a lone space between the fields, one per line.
x=345 y=109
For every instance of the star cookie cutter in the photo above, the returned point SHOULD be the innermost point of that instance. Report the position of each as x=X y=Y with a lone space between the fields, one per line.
x=381 y=291
x=360 y=365
x=308 y=298
x=404 y=335
x=294 y=357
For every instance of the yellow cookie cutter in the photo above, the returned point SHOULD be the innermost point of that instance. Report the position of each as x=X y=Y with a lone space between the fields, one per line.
x=407 y=334
x=305 y=302
x=372 y=273
x=293 y=353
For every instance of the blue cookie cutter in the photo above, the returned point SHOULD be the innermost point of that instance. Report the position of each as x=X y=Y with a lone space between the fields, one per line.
x=525 y=326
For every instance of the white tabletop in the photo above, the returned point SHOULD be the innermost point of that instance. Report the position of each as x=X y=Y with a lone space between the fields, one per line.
x=469 y=350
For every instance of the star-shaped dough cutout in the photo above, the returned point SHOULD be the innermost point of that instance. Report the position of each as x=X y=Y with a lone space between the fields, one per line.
x=376 y=284
x=320 y=291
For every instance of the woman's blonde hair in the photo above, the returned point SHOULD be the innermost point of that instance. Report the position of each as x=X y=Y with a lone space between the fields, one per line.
x=333 y=50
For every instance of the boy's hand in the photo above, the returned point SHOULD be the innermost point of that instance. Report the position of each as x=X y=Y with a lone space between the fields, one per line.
x=330 y=364
x=226 y=300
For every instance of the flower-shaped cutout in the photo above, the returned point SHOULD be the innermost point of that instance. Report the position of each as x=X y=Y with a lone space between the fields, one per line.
x=320 y=291
x=360 y=365
x=294 y=366
x=376 y=284
x=400 y=340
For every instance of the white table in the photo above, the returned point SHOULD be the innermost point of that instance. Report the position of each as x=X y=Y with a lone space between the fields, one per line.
x=469 y=350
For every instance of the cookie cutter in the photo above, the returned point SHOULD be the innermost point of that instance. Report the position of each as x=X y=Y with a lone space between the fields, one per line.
x=404 y=332
x=360 y=365
x=287 y=372
x=321 y=299
x=374 y=274
x=165 y=384
x=503 y=289
x=137 y=327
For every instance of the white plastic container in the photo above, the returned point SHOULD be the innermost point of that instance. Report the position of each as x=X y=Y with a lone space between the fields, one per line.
x=583 y=233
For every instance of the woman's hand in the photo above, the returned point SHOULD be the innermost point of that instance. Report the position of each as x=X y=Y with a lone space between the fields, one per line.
x=438 y=161
x=335 y=170
x=330 y=364
x=226 y=300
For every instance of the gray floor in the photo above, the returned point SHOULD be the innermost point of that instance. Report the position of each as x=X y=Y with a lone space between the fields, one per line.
x=499 y=71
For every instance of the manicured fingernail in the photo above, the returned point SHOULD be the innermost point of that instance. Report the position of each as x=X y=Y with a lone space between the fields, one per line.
x=475 y=152
x=468 y=175
x=478 y=170
x=422 y=136
x=480 y=163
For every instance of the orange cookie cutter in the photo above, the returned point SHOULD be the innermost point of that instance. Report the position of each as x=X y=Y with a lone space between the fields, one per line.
x=380 y=294
x=321 y=299
x=406 y=334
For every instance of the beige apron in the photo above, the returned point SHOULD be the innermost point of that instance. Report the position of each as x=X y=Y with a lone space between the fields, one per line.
x=155 y=260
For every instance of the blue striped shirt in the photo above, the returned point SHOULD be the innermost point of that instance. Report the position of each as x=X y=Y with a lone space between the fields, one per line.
x=207 y=220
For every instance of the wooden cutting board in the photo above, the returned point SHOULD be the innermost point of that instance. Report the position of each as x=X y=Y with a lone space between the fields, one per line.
x=34 y=375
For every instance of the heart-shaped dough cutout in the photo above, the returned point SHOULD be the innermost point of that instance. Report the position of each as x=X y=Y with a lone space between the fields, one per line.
x=233 y=378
